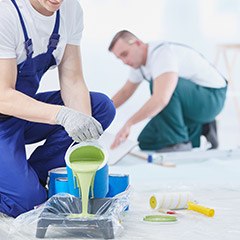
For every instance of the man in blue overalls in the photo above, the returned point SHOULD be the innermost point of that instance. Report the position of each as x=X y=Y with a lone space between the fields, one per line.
x=36 y=35
x=187 y=93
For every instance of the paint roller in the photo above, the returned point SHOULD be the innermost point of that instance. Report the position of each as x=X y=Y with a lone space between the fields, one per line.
x=171 y=200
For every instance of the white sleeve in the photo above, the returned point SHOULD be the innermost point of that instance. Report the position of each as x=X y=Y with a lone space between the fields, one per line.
x=135 y=76
x=7 y=35
x=76 y=23
x=162 y=61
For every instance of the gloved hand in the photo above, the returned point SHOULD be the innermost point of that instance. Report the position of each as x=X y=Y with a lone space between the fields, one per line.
x=79 y=126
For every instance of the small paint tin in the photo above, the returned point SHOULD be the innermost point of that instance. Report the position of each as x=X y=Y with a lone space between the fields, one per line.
x=61 y=185
x=52 y=175
x=117 y=183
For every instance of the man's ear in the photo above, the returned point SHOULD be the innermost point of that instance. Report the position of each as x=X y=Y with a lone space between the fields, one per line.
x=135 y=41
x=138 y=42
x=131 y=41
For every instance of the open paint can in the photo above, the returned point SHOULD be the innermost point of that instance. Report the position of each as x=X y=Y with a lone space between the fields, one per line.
x=89 y=149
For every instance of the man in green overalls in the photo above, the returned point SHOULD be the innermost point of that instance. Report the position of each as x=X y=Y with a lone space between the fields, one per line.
x=187 y=93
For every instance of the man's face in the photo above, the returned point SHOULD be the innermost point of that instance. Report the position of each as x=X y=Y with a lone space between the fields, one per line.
x=130 y=53
x=46 y=7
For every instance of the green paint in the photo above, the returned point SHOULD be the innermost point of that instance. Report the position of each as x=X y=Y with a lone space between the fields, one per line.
x=84 y=162
x=159 y=218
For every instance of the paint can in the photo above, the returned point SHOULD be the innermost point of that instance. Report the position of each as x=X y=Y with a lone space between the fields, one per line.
x=61 y=185
x=100 y=187
x=52 y=175
x=117 y=183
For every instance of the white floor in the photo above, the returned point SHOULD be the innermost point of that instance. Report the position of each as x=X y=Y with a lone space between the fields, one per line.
x=229 y=122
x=214 y=183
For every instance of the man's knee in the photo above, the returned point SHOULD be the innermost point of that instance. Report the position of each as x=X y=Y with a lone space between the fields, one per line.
x=25 y=200
x=103 y=109
x=145 y=141
x=33 y=196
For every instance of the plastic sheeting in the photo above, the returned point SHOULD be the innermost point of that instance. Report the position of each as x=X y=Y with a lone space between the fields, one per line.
x=214 y=183
x=61 y=217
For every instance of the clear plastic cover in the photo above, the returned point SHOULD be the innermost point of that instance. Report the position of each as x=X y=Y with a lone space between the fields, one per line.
x=61 y=217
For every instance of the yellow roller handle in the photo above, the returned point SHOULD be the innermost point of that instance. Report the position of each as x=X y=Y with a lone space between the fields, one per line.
x=201 y=209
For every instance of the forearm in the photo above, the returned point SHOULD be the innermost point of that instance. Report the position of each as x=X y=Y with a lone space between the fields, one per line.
x=119 y=98
x=76 y=96
x=163 y=88
x=17 y=104
x=124 y=93
x=74 y=91
x=150 y=109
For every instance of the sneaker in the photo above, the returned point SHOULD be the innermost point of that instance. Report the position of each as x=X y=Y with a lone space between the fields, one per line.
x=209 y=130
x=179 y=147
x=3 y=215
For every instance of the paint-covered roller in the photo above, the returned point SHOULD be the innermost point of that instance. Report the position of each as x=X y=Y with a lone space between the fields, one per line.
x=170 y=200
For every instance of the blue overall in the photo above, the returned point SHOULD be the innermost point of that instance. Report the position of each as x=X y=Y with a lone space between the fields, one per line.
x=20 y=180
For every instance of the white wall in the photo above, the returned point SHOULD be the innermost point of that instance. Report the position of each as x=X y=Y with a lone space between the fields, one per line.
x=199 y=23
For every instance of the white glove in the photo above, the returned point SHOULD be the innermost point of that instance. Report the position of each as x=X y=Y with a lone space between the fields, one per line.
x=79 y=126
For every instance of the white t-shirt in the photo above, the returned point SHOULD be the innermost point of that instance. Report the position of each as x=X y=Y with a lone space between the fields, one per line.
x=179 y=58
x=39 y=28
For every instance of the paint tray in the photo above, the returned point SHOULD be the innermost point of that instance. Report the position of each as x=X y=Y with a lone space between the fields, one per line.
x=59 y=209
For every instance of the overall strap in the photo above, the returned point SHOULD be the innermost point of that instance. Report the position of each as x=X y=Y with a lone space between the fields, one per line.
x=143 y=75
x=28 y=41
x=54 y=38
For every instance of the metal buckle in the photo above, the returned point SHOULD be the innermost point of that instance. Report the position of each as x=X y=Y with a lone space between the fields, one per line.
x=29 y=47
x=53 y=41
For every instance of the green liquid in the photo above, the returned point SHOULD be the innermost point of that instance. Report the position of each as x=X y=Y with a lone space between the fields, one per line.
x=84 y=163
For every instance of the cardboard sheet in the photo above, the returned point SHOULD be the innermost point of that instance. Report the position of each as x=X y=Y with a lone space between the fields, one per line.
x=116 y=154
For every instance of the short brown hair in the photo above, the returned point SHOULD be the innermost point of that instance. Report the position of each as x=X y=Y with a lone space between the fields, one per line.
x=124 y=34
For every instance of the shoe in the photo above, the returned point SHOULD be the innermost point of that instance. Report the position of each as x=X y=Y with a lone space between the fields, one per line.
x=179 y=147
x=209 y=130
x=3 y=215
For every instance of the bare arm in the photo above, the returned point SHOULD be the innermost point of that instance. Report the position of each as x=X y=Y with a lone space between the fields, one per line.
x=124 y=93
x=74 y=91
x=163 y=88
x=15 y=103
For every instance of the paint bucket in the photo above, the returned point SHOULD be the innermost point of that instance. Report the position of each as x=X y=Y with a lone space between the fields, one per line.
x=117 y=183
x=52 y=175
x=61 y=185
x=100 y=187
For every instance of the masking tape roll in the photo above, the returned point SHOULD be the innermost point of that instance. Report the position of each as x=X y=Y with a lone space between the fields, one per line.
x=171 y=200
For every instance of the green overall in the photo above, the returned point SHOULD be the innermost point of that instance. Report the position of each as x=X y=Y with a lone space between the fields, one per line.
x=182 y=119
